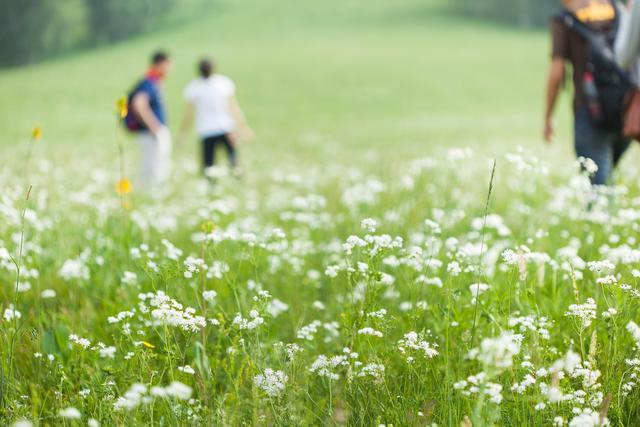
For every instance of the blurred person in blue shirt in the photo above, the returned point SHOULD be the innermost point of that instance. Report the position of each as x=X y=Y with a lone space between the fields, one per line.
x=147 y=118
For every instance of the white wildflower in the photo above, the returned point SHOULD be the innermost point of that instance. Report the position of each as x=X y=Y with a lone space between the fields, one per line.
x=70 y=413
x=370 y=331
x=584 y=312
x=74 y=269
x=209 y=296
x=413 y=341
x=271 y=382
x=48 y=293
x=497 y=352
x=11 y=313
x=369 y=225
x=186 y=369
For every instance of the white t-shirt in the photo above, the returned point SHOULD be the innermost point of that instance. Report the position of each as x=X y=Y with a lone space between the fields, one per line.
x=211 y=98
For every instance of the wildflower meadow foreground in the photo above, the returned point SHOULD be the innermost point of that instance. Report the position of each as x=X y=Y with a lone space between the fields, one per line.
x=434 y=291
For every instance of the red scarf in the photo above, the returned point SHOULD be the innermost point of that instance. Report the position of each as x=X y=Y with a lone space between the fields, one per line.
x=152 y=74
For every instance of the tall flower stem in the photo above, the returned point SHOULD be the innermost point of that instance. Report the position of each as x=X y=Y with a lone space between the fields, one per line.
x=123 y=187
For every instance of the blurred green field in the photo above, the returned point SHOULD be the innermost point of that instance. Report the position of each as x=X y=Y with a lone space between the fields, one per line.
x=312 y=77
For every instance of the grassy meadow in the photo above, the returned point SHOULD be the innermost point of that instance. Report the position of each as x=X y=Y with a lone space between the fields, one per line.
x=367 y=76
x=402 y=248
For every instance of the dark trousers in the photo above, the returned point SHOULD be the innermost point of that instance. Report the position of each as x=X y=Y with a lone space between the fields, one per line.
x=604 y=147
x=209 y=146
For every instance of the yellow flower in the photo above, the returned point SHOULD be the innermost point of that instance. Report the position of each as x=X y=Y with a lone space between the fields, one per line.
x=124 y=186
x=122 y=108
x=148 y=345
x=36 y=133
x=208 y=226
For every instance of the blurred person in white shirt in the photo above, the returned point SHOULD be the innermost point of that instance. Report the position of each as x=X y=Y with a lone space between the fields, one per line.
x=219 y=120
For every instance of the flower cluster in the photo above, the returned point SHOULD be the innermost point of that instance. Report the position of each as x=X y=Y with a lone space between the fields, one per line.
x=271 y=382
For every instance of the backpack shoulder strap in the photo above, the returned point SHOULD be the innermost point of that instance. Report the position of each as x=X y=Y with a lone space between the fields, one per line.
x=570 y=20
x=604 y=51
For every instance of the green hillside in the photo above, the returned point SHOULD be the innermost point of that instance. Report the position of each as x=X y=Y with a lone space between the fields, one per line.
x=359 y=74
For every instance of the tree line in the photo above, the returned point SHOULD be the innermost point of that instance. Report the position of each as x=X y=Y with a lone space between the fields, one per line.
x=32 y=30
x=524 y=13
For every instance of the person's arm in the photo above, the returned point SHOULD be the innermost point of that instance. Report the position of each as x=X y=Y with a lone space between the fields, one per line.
x=627 y=45
x=141 y=107
x=560 y=53
x=243 y=131
x=554 y=83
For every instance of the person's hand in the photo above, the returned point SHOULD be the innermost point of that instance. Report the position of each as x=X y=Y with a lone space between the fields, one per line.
x=162 y=131
x=157 y=129
x=548 y=130
x=243 y=134
x=246 y=134
x=233 y=138
x=163 y=136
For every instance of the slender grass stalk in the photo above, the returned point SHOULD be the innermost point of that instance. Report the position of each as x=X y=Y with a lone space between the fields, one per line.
x=18 y=265
x=35 y=136
x=479 y=267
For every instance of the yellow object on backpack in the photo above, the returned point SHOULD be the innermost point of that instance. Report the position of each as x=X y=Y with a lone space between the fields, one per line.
x=593 y=11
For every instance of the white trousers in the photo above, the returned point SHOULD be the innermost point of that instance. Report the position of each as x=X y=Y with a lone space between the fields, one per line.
x=155 y=151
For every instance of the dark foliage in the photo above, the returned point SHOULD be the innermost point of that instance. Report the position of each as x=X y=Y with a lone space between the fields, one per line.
x=524 y=13
x=32 y=30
